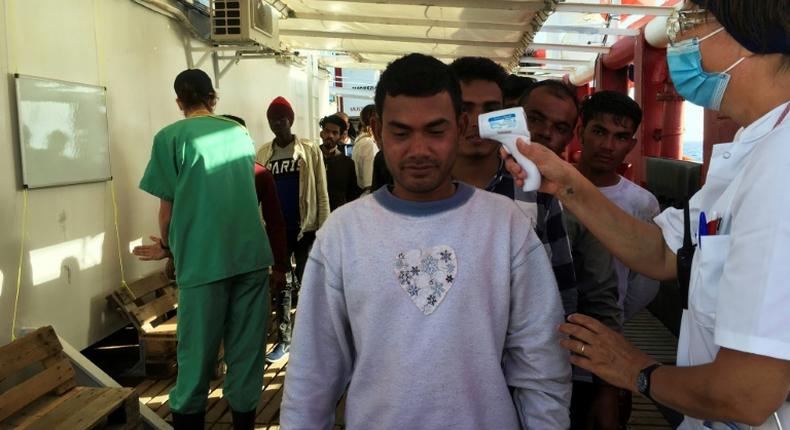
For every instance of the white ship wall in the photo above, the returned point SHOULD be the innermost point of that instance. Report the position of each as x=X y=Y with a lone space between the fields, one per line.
x=70 y=254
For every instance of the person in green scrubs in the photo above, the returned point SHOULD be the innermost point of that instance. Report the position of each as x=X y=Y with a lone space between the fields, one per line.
x=201 y=169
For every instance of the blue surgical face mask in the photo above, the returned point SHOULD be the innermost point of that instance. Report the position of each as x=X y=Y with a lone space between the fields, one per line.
x=692 y=83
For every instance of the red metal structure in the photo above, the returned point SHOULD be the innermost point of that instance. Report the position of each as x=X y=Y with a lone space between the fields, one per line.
x=660 y=134
x=611 y=70
x=649 y=80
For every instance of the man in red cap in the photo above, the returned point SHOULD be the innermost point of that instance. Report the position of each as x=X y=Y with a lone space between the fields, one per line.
x=298 y=169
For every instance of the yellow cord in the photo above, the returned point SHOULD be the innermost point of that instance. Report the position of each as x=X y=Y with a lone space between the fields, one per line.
x=118 y=239
x=21 y=259
x=100 y=59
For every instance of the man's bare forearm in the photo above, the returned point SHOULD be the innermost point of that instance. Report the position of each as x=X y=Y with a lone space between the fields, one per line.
x=165 y=214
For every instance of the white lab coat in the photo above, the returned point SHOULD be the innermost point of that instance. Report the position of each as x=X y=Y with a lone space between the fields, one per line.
x=740 y=279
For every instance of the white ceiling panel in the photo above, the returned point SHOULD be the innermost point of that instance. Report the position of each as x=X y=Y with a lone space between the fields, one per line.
x=379 y=31
x=375 y=32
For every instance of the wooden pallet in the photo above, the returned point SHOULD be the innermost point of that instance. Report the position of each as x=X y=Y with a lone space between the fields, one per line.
x=50 y=399
x=150 y=305
x=154 y=394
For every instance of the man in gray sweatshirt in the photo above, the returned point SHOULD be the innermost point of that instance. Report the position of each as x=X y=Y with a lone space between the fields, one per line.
x=434 y=303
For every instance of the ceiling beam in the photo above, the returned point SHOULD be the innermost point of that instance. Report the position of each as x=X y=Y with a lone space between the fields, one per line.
x=395 y=55
x=475 y=4
x=338 y=80
x=551 y=75
x=351 y=93
x=362 y=65
x=404 y=39
x=328 y=16
x=442 y=58
x=575 y=48
x=545 y=70
x=546 y=77
x=543 y=75
x=582 y=29
x=614 y=9
x=445 y=58
x=554 y=61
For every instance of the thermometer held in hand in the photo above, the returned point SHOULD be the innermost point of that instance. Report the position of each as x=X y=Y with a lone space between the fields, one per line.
x=505 y=126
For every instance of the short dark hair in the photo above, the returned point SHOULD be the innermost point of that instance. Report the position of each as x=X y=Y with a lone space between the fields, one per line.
x=366 y=115
x=333 y=119
x=619 y=105
x=556 y=88
x=515 y=86
x=417 y=75
x=759 y=26
x=469 y=69
x=194 y=88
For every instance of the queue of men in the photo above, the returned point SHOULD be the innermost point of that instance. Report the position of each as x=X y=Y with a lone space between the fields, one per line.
x=448 y=298
x=391 y=348
x=421 y=325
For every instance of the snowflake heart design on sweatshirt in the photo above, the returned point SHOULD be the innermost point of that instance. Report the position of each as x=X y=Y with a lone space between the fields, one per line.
x=426 y=275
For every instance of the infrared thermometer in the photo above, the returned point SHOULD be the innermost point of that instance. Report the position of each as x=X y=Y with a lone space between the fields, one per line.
x=505 y=126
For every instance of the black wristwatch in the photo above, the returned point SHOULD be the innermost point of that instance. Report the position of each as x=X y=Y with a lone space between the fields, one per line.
x=643 y=380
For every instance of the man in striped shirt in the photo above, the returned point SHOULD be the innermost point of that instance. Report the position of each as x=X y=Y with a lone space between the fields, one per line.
x=552 y=112
x=479 y=164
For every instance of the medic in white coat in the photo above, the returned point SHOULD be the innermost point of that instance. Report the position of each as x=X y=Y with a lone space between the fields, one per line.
x=734 y=349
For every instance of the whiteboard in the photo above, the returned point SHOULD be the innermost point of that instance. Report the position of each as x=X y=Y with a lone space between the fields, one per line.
x=63 y=132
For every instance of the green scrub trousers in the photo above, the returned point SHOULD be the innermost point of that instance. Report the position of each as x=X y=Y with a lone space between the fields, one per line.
x=235 y=310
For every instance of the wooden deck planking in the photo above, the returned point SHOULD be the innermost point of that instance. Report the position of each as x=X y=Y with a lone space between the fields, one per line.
x=649 y=335
x=645 y=331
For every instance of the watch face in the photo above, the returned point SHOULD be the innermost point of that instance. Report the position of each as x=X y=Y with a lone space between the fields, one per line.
x=641 y=382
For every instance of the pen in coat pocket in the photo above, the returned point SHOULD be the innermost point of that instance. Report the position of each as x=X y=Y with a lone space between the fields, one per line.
x=713 y=224
x=703 y=228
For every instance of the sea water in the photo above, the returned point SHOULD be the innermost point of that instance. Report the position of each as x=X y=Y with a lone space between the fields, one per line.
x=693 y=151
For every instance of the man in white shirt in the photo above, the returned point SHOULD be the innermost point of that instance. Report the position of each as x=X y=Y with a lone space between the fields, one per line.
x=609 y=122
x=365 y=149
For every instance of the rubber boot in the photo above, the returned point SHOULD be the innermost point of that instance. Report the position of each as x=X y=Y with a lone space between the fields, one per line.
x=189 y=421
x=244 y=420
